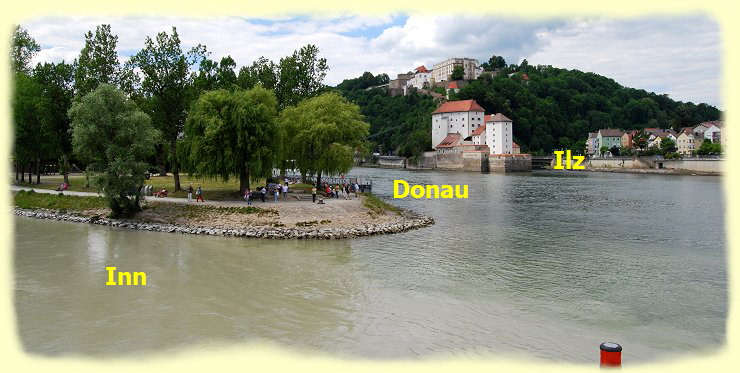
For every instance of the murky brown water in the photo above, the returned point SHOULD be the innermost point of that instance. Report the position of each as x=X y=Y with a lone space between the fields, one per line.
x=542 y=265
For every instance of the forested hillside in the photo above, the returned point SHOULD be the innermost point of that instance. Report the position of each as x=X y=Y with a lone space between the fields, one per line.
x=555 y=108
x=400 y=124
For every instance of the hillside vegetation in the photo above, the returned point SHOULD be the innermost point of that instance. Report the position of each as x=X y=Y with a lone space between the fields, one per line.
x=554 y=109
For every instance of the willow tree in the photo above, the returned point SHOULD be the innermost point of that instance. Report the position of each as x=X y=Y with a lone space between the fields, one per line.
x=115 y=137
x=232 y=133
x=322 y=133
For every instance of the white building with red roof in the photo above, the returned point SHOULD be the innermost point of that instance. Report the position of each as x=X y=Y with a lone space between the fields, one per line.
x=420 y=78
x=499 y=135
x=463 y=125
x=461 y=117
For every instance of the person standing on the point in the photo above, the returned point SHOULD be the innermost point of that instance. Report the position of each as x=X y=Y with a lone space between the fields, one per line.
x=190 y=193
x=199 y=195
x=263 y=191
x=285 y=191
x=277 y=192
x=313 y=193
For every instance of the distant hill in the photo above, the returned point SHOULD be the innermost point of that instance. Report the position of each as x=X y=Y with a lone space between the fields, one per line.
x=555 y=108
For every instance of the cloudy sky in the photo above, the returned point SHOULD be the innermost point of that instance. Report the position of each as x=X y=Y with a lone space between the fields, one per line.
x=679 y=56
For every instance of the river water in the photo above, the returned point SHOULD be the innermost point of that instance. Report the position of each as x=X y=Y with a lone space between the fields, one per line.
x=541 y=265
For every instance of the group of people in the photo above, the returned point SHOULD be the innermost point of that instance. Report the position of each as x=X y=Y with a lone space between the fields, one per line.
x=276 y=190
x=344 y=190
x=198 y=194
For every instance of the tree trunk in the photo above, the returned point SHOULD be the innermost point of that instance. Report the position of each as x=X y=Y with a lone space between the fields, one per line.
x=243 y=180
x=38 y=171
x=318 y=180
x=175 y=170
x=161 y=159
x=23 y=172
x=65 y=168
x=30 y=170
x=16 y=170
x=138 y=196
x=283 y=164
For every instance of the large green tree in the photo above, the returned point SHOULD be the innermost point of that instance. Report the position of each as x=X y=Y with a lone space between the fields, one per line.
x=667 y=146
x=32 y=140
x=262 y=71
x=301 y=75
x=98 y=61
x=166 y=85
x=322 y=134
x=495 y=62
x=56 y=82
x=115 y=138
x=23 y=49
x=232 y=133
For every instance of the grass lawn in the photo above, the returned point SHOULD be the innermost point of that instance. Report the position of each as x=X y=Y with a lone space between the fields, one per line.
x=30 y=199
x=377 y=205
x=213 y=189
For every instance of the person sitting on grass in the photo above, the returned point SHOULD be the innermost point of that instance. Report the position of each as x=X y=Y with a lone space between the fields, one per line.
x=63 y=187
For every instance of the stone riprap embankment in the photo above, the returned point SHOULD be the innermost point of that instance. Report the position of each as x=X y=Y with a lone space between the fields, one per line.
x=408 y=220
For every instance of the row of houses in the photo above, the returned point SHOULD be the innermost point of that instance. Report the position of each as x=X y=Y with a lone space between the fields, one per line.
x=461 y=126
x=687 y=139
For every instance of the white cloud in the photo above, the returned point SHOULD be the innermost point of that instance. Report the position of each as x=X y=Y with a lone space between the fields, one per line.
x=678 y=56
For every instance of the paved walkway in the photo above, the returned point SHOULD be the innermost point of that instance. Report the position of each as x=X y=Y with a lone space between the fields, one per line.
x=268 y=201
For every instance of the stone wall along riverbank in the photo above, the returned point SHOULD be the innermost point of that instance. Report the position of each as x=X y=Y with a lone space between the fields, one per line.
x=408 y=220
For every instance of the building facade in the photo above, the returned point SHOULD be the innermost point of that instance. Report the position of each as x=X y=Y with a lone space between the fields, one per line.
x=608 y=137
x=459 y=126
x=443 y=70
x=499 y=135
x=420 y=79
x=461 y=117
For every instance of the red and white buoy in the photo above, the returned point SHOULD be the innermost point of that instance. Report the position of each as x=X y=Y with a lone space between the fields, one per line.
x=611 y=355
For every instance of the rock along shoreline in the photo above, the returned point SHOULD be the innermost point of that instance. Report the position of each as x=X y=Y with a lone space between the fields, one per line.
x=409 y=220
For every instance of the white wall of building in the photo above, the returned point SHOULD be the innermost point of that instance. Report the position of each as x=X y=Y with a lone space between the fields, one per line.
x=443 y=70
x=499 y=137
x=419 y=79
x=462 y=122
x=710 y=133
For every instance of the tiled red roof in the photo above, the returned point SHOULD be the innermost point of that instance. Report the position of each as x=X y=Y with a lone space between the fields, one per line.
x=456 y=106
x=451 y=140
x=515 y=145
x=422 y=69
x=479 y=130
x=452 y=85
x=498 y=117
x=525 y=77
x=486 y=119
